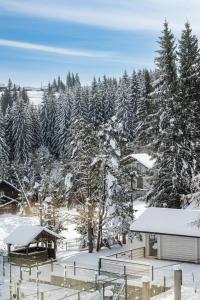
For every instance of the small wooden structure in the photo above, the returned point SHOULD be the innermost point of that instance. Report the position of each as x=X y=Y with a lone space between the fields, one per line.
x=9 y=197
x=30 y=244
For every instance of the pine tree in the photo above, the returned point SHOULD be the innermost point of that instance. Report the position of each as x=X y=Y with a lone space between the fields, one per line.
x=47 y=116
x=21 y=133
x=125 y=108
x=172 y=179
x=189 y=70
x=4 y=150
x=7 y=99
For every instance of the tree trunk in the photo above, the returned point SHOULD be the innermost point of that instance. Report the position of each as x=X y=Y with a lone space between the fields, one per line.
x=99 y=233
x=90 y=236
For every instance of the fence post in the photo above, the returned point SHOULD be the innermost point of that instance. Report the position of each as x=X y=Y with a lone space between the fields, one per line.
x=152 y=273
x=20 y=271
x=99 y=267
x=65 y=276
x=103 y=287
x=124 y=270
x=164 y=284
x=74 y=268
x=51 y=265
x=18 y=291
x=79 y=296
x=96 y=285
x=37 y=281
x=66 y=246
x=145 y=290
x=131 y=254
x=3 y=266
x=10 y=272
x=177 y=284
x=29 y=270
x=126 y=287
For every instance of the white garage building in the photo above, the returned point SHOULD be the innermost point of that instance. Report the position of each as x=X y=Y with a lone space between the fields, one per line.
x=172 y=234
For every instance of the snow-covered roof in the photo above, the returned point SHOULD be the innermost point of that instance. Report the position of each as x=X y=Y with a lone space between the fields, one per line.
x=144 y=158
x=168 y=221
x=26 y=234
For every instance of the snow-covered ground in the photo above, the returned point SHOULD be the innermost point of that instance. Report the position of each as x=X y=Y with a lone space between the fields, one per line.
x=35 y=97
x=186 y=294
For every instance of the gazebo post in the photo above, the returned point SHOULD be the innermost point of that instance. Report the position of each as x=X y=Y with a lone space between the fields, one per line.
x=27 y=250
x=55 y=248
x=8 y=247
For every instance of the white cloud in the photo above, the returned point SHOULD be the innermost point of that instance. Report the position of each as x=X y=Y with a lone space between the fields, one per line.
x=55 y=50
x=115 y=14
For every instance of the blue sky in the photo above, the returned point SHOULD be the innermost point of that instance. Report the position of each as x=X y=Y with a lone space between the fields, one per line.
x=40 y=40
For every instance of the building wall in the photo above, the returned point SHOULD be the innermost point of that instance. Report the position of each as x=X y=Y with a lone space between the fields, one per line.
x=179 y=248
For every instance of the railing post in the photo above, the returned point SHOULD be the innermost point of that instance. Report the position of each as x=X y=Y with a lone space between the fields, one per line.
x=131 y=254
x=66 y=246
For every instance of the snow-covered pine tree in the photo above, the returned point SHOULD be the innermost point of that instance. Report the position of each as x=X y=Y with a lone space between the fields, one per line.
x=189 y=70
x=95 y=104
x=7 y=99
x=172 y=178
x=61 y=138
x=21 y=131
x=47 y=116
x=125 y=109
x=35 y=128
x=4 y=149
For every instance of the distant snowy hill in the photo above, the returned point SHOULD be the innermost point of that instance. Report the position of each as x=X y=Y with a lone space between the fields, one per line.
x=35 y=97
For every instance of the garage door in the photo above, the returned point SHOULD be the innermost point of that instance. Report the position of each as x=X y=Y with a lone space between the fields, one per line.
x=177 y=248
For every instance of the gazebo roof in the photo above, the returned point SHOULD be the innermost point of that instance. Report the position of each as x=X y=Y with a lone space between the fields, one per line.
x=27 y=234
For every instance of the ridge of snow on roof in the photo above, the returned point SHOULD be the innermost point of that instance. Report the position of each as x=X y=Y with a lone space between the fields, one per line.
x=25 y=234
x=145 y=159
x=168 y=221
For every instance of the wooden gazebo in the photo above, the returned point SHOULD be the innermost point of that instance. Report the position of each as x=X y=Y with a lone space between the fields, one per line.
x=29 y=244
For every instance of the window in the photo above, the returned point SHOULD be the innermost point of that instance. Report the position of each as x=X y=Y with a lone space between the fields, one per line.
x=140 y=182
x=1 y=193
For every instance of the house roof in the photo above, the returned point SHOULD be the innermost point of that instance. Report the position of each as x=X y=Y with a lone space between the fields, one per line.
x=26 y=234
x=10 y=184
x=5 y=200
x=143 y=158
x=168 y=221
